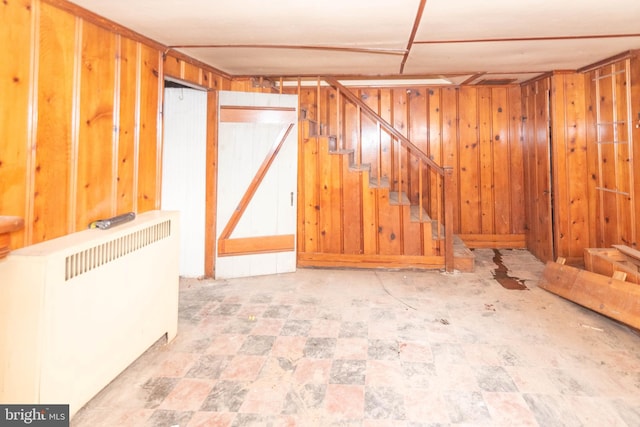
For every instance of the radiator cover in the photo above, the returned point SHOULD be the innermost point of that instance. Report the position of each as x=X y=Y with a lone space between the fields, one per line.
x=77 y=310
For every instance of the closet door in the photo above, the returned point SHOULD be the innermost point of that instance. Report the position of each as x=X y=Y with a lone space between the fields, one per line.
x=257 y=184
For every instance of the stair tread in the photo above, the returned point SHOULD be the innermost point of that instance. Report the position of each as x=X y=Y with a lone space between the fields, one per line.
x=396 y=198
x=361 y=167
x=415 y=214
x=384 y=182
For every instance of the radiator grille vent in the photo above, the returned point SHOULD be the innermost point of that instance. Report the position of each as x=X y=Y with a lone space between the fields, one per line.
x=92 y=258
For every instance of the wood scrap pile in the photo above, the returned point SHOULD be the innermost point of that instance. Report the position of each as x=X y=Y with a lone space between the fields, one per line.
x=609 y=284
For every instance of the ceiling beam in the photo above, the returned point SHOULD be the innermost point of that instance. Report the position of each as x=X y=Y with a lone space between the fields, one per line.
x=377 y=51
x=526 y=39
x=412 y=37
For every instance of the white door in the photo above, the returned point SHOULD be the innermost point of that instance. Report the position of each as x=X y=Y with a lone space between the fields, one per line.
x=184 y=171
x=257 y=184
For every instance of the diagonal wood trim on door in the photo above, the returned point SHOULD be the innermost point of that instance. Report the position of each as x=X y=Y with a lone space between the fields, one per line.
x=228 y=246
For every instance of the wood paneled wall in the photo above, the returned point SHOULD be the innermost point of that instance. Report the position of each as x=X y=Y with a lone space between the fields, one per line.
x=613 y=144
x=584 y=154
x=80 y=121
x=476 y=130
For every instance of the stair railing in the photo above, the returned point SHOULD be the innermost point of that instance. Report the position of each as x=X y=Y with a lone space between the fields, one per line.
x=426 y=165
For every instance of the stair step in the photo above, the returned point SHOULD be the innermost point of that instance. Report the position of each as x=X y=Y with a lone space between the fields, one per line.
x=415 y=214
x=384 y=182
x=341 y=151
x=360 y=168
x=396 y=198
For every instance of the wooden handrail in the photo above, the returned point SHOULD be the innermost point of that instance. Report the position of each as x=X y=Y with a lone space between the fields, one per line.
x=345 y=92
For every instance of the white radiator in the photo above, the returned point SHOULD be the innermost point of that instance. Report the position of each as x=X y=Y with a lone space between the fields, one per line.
x=77 y=310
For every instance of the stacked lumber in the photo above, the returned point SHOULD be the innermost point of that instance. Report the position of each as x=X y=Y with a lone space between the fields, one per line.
x=609 y=285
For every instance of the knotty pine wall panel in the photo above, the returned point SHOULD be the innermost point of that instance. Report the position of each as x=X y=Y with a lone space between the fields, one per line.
x=54 y=134
x=469 y=159
x=94 y=152
x=15 y=179
x=81 y=137
x=149 y=145
x=634 y=136
x=570 y=172
x=129 y=54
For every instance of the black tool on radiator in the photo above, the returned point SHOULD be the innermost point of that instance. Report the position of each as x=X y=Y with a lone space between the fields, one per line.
x=105 y=224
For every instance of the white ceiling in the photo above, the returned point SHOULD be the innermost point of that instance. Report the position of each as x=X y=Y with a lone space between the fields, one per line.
x=463 y=40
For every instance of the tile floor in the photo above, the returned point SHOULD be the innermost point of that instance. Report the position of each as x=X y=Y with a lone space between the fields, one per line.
x=380 y=348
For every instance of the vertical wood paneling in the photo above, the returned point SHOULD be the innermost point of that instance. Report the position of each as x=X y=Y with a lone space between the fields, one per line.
x=399 y=117
x=485 y=147
x=352 y=209
x=516 y=162
x=591 y=120
x=14 y=116
x=148 y=146
x=418 y=133
x=370 y=136
x=127 y=129
x=539 y=234
x=450 y=141
x=53 y=135
x=434 y=132
x=386 y=148
x=95 y=150
x=634 y=140
x=570 y=166
x=622 y=160
x=471 y=221
x=211 y=197
x=501 y=161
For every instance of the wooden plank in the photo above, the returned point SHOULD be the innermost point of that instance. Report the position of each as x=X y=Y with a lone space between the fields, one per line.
x=501 y=161
x=432 y=183
x=623 y=153
x=308 y=170
x=191 y=73
x=211 y=186
x=244 y=114
x=592 y=156
x=15 y=85
x=172 y=66
x=51 y=199
x=370 y=136
x=370 y=261
x=633 y=253
x=389 y=225
x=578 y=179
x=609 y=261
x=149 y=145
x=516 y=161
x=634 y=158
x=256 y=245
x=369 y=217
x=352 y=208
x=330 y=199
x=411 y=234
x=494 y=240
x=126 y=155
x=96 y=126
x=418 y=134
x=471 y=221
x=486 y=163
x=449 y=100
x=613 y=298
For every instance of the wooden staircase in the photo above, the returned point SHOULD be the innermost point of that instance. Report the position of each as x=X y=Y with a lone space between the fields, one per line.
x=383 y=226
